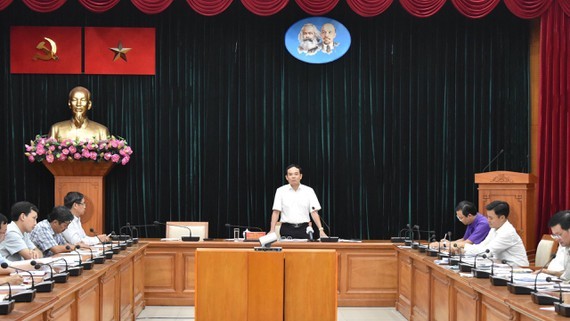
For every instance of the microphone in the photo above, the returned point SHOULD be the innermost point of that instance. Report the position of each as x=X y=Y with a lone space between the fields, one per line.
x=542 y=268
x=119 y=247
x=440 y=254
x=493 y=160
x=27 y=295
x=73 y=271
x=57 y=278
x=475 y=261
x=500 y=281
x=454 y=261
x=478 y=273
x=253 y=228
x=507 y=263
x=543 y=298
x=415 y=245
x=107 y=254
x=400 y=238
x=6 y=306
x=126 y=237
x=559 y=282
x=87 y=265
x=310 y=231
x=188 y=238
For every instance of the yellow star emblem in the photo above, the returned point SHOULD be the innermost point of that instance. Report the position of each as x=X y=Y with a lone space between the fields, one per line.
x=120 y=52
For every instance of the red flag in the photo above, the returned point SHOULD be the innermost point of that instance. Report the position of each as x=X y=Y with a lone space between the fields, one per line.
x=45 y=50
x=120 y=51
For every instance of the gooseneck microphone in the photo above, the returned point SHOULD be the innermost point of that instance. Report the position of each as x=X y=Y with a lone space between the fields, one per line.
x=493 y=160
x=27 y=295
x=7 y=305
x=559 y=282
x=188 y=238
x=512 y=269
x=87 y=265
x=57 y=278
x=107 y=254
x=252 y=228
x=475 y=261
x=552 y=257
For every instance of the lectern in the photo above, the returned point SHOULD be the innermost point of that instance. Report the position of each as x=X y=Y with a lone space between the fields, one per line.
x=245 y=285
x=517 y=189
x=88 y=178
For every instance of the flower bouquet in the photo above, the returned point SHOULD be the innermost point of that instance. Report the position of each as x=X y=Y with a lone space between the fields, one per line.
x=114 y=149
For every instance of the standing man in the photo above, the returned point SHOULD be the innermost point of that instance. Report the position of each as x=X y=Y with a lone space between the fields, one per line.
x=294 y=203
x=47 y=234
x=74 y=234
x=503 y=241
x=477 y=226
x=17 y=246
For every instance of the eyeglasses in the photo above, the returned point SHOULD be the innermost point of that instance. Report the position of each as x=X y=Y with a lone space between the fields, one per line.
x=82 y=204
x=557 y=236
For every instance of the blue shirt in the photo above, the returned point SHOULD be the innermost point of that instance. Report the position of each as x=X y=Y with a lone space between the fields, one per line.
x=477 y=231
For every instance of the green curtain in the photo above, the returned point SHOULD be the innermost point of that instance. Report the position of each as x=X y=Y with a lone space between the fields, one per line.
x=390 y=134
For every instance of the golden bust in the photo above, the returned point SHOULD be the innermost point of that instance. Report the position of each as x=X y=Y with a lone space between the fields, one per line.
x=79 y=127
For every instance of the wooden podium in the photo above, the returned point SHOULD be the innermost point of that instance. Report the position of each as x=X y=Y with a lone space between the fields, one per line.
x=517 y=189
x=245 y=285
x=88 y=178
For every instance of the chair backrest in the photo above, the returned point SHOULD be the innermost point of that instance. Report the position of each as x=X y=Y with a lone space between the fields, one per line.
x=198 y=229
x=546 y=247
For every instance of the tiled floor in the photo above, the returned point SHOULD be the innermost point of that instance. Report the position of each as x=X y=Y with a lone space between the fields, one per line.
x=164 y=313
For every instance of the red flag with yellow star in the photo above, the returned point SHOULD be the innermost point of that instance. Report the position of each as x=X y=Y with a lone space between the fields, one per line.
x=45 y=50
x=120 y=51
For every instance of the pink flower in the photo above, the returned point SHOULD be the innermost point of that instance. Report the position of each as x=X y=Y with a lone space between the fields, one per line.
x=77 y=156
x=93 y=155
x=62 y=157
x=50 y=158
x=125 y=160
x=31 y=158
x=65 y=151
x=115 y=158
x=72 y=149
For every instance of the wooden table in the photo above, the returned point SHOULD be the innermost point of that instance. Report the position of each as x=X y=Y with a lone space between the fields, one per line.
x=110 y=291
x=427 y=291
x=367 y=271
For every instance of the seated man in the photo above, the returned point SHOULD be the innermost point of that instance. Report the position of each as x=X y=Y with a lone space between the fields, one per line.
x=503 y=242
x=477 y=226
x=75 y=234
x=17 y=246
x=559 y=224
x=4 y=273
x=47 y=234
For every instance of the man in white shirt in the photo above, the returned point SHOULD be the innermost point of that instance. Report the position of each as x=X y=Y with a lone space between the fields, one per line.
x=74 y=234
x=503 y=242
x=294 y=203
x=559 y=224
x=17 y=245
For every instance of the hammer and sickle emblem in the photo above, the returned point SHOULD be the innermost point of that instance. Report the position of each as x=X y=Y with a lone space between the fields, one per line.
x=48 y=54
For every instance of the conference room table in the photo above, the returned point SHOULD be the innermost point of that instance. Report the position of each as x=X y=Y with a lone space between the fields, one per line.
x=367 y=270
x=113 y=290
x=428 y=291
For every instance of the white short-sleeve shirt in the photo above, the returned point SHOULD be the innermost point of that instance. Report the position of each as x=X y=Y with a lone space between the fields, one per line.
x=14 y=242
x=295 y=205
